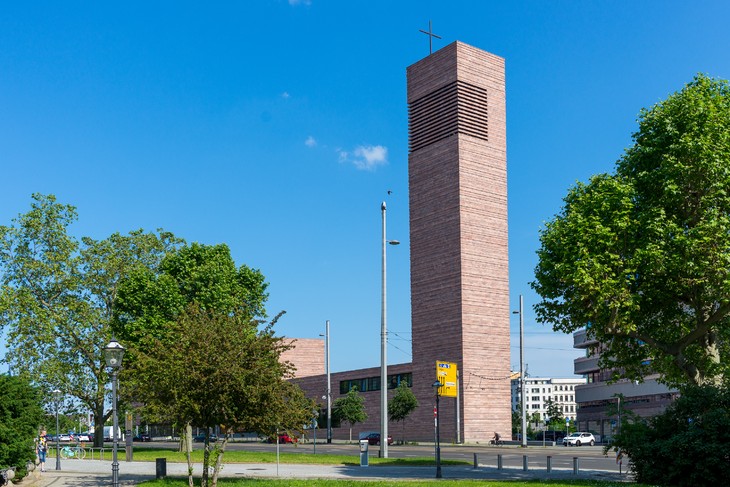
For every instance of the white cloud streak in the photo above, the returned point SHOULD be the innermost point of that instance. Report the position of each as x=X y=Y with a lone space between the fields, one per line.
x=365 y=157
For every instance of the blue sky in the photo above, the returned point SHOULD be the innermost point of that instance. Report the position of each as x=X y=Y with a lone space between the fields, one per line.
x=277 y=127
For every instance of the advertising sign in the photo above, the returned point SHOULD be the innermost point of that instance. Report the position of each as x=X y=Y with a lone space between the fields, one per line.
x=446 y=374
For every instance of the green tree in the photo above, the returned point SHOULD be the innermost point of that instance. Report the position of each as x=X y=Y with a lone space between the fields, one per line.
x=641 y=257
x=554 y=414
x=221 y=370
x=57 y=298
x=687 y=445
x=404 y=402
x=350 y=409
x=20 y=418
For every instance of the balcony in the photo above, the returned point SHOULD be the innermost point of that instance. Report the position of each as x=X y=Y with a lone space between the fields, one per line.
x=582 y=340
x=585 y=365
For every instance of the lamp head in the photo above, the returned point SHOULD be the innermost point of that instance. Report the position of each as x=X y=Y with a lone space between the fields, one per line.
x=113 y=354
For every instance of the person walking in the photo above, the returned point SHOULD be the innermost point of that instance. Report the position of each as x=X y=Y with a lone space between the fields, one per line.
x=41 y=447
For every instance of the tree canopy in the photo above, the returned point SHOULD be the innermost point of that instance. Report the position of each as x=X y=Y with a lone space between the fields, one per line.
x=641 y=257
x=57 y=298
x=20 y=417
x=220 y=369
x=350 y=409
x=402 y=404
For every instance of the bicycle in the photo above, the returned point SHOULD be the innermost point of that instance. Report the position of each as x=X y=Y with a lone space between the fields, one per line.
x=70 y=452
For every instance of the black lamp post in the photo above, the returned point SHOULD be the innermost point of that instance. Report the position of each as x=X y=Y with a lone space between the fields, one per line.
x=437 y=387
x=113 y=354
x=56 y=400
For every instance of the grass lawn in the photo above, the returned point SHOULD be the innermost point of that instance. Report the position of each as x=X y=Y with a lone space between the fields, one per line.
x=238 y=456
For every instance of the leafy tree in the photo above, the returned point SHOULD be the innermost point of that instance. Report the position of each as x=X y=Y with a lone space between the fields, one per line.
x=350 y=409
x=20 y=417
x=404 y=402
x=220 y=369
x=641 y=256
x=687 y=445
x=57 y=297
x=554 y=413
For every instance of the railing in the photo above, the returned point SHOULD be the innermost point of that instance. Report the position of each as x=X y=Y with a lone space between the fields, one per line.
x=91 y=453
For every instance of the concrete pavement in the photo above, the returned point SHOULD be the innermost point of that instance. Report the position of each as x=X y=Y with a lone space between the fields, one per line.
x=93 y=473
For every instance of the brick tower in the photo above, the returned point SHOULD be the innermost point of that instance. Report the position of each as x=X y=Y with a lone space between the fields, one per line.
x=457 y=169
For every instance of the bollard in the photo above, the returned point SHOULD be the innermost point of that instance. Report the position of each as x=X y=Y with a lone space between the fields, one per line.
x=499 y=462
x=549 y=464
x=524 y=462
x=575 y=465
x=160 y=468
x=476 y=461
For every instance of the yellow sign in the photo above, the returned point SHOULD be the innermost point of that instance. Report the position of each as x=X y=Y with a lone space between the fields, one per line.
x=447 y=375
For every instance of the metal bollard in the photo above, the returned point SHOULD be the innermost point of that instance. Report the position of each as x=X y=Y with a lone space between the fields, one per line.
x=575 y=465
x=476 y=461
x=499 y=462
x=549 y=464
x=160 y=468
x=524 y=462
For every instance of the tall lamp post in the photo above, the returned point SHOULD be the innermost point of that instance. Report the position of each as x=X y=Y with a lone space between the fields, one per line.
x=329 y=385
x=522 y=375
x=113 y=354
x=384 y=350
x=437 y=388
x=57 y=399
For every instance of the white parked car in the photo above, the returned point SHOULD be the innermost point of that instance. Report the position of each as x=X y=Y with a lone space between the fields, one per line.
x=579 y=438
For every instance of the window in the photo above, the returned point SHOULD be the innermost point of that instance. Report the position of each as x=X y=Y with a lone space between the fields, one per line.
x=373 y=383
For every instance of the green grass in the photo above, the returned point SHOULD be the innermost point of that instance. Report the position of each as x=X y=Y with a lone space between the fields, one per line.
x=224 y=482
x=238 y=456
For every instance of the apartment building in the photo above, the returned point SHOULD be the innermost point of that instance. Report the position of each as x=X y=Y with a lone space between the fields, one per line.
x=540 y=390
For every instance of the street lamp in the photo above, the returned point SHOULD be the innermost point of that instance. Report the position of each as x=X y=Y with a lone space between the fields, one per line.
x=384 y=351
x=328 y=397
x=113 y=354
x=437 y=388
x=522 y=375
x=57 y=399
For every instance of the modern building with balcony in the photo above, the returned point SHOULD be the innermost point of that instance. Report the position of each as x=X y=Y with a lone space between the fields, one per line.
x=600 y=406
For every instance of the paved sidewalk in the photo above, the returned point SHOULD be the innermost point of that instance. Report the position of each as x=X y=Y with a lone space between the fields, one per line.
x=94 y=473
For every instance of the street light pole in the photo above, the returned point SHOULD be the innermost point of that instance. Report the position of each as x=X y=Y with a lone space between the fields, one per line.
x=437 y=386
x=522 y=375
x=329 y=384
x=384 y=349
x=113 y=354
x=57 y=398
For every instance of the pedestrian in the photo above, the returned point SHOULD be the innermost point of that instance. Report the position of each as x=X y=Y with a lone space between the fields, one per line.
x=41 y=447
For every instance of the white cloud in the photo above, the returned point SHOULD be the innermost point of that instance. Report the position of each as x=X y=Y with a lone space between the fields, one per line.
x=285 y=95
x=310 y=142
x=294 y=3
x=369 y=157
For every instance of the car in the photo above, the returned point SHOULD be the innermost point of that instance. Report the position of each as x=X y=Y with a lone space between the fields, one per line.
x=143 y=437
x=212 y=438
x=283 y=438
x=83 y=437
x=579 y=438
x=64 y=437
x=374 y=439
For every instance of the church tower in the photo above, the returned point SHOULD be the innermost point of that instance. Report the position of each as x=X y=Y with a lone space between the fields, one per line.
x=457 y=170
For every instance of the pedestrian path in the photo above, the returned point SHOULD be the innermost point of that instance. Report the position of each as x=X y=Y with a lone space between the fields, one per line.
x=93 y=473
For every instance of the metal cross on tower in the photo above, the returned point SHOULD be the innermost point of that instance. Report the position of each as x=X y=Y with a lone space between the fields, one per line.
x=430 y=35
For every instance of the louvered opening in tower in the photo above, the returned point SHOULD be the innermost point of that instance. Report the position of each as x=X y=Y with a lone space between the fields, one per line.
x=455 y=108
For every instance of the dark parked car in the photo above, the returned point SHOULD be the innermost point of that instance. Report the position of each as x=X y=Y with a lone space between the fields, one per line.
x=142 y=437
x=201 y=438
x=374 y=439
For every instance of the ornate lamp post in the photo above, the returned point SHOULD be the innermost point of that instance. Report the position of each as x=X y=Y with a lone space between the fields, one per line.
x=113 y=354
x=56 y=400
x=437 y=387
